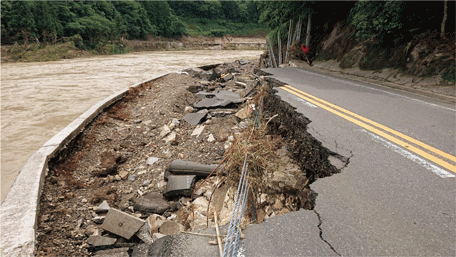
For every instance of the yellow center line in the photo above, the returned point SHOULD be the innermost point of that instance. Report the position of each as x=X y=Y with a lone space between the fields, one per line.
x=420 y=152
x=394 y=132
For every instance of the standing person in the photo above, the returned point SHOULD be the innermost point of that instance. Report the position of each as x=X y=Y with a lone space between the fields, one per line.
x=306 y=50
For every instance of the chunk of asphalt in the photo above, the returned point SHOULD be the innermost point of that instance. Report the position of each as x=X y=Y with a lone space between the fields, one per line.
x=151 y=203
x=212 y=103
x=242 y=62
x=194 y=118
x=231 y=96
x=121 y=223
x=201 y=95
x=179 y=185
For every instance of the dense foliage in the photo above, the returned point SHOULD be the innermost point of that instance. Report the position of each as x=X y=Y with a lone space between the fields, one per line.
x=91 y=24
x=390 y=22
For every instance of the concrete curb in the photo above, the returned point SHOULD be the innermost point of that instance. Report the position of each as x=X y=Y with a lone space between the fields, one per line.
x=19 y=210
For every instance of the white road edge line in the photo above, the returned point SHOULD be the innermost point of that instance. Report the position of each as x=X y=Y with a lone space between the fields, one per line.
x=303 y=101
x=425 y=164
x=391 y=93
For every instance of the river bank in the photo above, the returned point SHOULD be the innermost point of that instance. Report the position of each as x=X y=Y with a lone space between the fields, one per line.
x=40 y=98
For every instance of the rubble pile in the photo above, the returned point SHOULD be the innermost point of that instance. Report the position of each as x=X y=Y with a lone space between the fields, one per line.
x=161 y=161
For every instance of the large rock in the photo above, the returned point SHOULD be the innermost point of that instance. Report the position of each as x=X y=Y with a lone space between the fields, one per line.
x=151 y=203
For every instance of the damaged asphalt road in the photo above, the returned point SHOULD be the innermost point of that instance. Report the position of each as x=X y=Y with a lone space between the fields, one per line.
x=388 y=200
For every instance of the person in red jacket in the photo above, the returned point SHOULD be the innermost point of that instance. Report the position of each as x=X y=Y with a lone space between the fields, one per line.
x=306 y=50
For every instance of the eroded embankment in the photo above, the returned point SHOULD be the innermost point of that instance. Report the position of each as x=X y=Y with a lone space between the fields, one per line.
x=122 y=156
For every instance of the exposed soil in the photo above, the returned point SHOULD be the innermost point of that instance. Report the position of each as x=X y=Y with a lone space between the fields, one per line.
x=98 y=165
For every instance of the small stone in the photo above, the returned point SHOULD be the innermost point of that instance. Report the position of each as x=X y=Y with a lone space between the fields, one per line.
x=161 y=184
x=84 y=200
x=175 y=121
x=103 y=207
x=90 y=230
x=138 y=121
x=117 y=177
x=152 y=160
x=230 y=138
x=170 y=139
x=124 y=174
x=146 y=182
x=142 y=172
x=165 y=131
x=198 y=130
x=115 y=252
x=278 y=205
x=188 y=109
x=98 y=219
x=132 y=177
x=211 y=138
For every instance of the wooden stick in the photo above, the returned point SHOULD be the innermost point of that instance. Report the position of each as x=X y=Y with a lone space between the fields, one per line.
x=219 y=239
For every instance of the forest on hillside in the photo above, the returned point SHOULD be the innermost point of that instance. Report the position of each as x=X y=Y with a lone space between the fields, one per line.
x=91 y=23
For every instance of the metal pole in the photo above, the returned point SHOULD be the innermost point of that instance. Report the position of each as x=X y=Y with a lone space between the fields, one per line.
x=290 y=29
x=279 y=42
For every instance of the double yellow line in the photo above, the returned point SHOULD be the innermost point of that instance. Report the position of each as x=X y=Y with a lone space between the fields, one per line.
x=426 y=151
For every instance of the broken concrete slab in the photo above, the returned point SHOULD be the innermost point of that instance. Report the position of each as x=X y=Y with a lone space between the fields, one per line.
x=195 y=118
x=151 y=203
x=121 y=223
x=101 y=240
x=171 y=228
x=198 y=130
x=179 y=185
x=116 y=252
x=210 y=138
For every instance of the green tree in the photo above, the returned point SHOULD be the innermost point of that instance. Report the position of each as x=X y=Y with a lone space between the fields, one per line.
x=22 y=23
x=46 y=20
x=377 y=19
x=134 y=17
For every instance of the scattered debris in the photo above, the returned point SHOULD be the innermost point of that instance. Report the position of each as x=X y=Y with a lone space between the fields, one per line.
x=152 y=160
x=198 y=130
x=101 y=240
x=103 y=207
x=195 y=118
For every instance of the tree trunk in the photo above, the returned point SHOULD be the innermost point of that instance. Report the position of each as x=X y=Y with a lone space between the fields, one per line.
x=445 y=7
x=308 y=30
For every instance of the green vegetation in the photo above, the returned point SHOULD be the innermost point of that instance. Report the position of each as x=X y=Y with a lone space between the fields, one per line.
x=220 y=27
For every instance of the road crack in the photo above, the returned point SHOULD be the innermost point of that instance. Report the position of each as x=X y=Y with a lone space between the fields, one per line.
x=321 y=233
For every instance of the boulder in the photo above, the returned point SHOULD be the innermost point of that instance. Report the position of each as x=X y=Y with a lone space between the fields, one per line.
x=171 y=228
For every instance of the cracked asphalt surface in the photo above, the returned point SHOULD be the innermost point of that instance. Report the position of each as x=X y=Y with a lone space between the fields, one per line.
x=387 y=201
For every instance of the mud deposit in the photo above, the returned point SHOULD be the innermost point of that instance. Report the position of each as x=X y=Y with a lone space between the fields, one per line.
x=111 y=161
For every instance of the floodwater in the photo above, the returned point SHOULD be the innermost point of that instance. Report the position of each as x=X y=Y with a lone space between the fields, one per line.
x=40 y=99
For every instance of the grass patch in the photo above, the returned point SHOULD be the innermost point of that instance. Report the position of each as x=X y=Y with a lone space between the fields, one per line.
x=40 y=53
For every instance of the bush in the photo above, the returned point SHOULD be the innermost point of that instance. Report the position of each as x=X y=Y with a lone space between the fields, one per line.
x=77 y=40
x=450 y=74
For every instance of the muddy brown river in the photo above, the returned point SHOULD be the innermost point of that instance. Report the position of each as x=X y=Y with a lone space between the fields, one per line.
x=40 y=99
